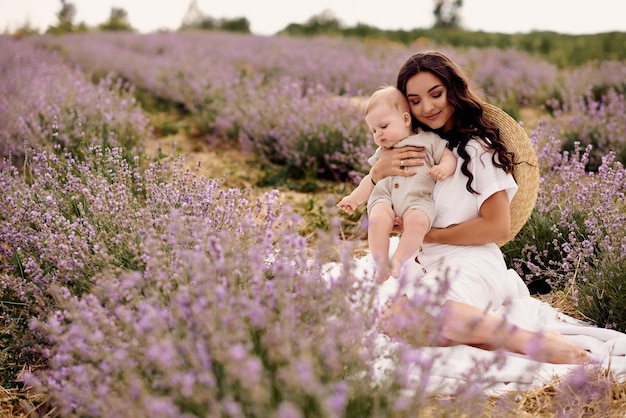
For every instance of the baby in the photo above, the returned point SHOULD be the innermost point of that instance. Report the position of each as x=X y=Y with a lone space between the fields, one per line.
x=388 y=116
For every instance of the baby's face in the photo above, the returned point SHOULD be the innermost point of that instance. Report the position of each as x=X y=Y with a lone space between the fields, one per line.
x=388 y=125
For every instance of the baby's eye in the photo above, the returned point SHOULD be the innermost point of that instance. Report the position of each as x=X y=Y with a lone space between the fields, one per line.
x=384 y=126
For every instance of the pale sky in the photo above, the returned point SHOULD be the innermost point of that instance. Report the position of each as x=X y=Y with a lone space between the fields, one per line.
x=267 y=17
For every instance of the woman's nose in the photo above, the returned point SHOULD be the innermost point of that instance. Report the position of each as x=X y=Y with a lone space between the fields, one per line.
x=428 y=105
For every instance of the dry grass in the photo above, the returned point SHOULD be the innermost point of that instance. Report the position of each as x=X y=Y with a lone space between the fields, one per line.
x=559 y=399
x=20 y=404
x=211 y=162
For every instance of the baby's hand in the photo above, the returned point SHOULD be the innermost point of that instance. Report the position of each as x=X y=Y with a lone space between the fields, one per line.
x=438 y=172
x=347 y=204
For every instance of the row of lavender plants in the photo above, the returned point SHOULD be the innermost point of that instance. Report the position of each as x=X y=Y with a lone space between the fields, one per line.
x=46 y=100
x=276 y=94
x=153 y=292
x=575 y=239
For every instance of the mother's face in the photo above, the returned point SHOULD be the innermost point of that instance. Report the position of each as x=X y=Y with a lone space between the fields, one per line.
x=428 y=100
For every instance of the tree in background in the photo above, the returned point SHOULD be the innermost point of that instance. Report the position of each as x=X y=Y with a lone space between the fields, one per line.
x=66 y=15
x=447 y=13
x=195 y=19
x=324 y=23
x=118 y=21
x=66 y=20
x=238 y=24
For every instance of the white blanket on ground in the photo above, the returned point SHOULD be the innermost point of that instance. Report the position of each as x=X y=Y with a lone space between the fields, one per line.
x=448 y=367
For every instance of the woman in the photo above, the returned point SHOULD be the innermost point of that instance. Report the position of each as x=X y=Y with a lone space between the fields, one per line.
x=472 y=214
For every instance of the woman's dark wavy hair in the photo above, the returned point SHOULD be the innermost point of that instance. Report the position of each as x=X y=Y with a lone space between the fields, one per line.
x=470 y=121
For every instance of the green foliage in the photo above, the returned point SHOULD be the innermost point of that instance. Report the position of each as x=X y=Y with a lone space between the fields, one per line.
x=14 y=350
x=602 y=294
x=205 y=108
x=563 y=50
x=118 y=21
x=325 y=23
x=196 y=19
x=290 y=176
x=538 y=230
x=316 y=215
x=538 y=246
x=25 y=29
x=238 y=24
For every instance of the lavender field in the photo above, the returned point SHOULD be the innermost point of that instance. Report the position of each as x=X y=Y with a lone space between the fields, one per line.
x=132 y=285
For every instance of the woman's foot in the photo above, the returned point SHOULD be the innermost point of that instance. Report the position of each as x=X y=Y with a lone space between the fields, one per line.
x=551 y=347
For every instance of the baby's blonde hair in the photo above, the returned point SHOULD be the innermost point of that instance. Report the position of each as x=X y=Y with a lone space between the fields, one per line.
x=390 y=96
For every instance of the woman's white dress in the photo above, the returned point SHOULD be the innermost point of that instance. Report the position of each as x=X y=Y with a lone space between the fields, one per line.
x=474 y=274
x=477 y=275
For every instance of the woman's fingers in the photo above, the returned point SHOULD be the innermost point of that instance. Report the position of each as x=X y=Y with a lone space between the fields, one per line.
x=392 y=162
x=410 y=157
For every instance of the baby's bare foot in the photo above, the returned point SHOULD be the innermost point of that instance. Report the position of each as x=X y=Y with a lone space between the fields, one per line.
x=396 y=268
x=382 y=276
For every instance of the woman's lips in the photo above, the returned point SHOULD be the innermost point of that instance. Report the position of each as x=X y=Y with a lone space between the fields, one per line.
x=433 y=116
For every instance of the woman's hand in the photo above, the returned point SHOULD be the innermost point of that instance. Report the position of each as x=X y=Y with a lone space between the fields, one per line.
x=392 y=162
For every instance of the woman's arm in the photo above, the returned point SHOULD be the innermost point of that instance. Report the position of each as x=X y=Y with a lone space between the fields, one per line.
x=392 y=161
x=492 y=225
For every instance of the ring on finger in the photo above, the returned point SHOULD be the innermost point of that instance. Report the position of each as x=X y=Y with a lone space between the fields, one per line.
x=401 y=163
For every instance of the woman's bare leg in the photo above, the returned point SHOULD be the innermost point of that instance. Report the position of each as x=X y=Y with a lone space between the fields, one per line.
x=470 y=325
x=417 y=327
x=460 y=323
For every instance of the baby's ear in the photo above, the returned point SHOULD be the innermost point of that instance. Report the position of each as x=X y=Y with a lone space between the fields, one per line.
x=406 y=116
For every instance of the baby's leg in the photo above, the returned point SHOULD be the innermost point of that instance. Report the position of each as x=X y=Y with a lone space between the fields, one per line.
x=380 y=223
x=416 y=224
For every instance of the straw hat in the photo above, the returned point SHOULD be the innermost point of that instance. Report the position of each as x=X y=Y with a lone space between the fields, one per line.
x=526 y=169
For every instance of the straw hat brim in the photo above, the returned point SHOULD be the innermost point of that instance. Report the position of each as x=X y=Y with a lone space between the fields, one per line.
x=526 y=166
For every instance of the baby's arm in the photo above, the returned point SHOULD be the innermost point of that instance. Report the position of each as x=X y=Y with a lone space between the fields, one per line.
x=446 y=166
x=358 y=195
